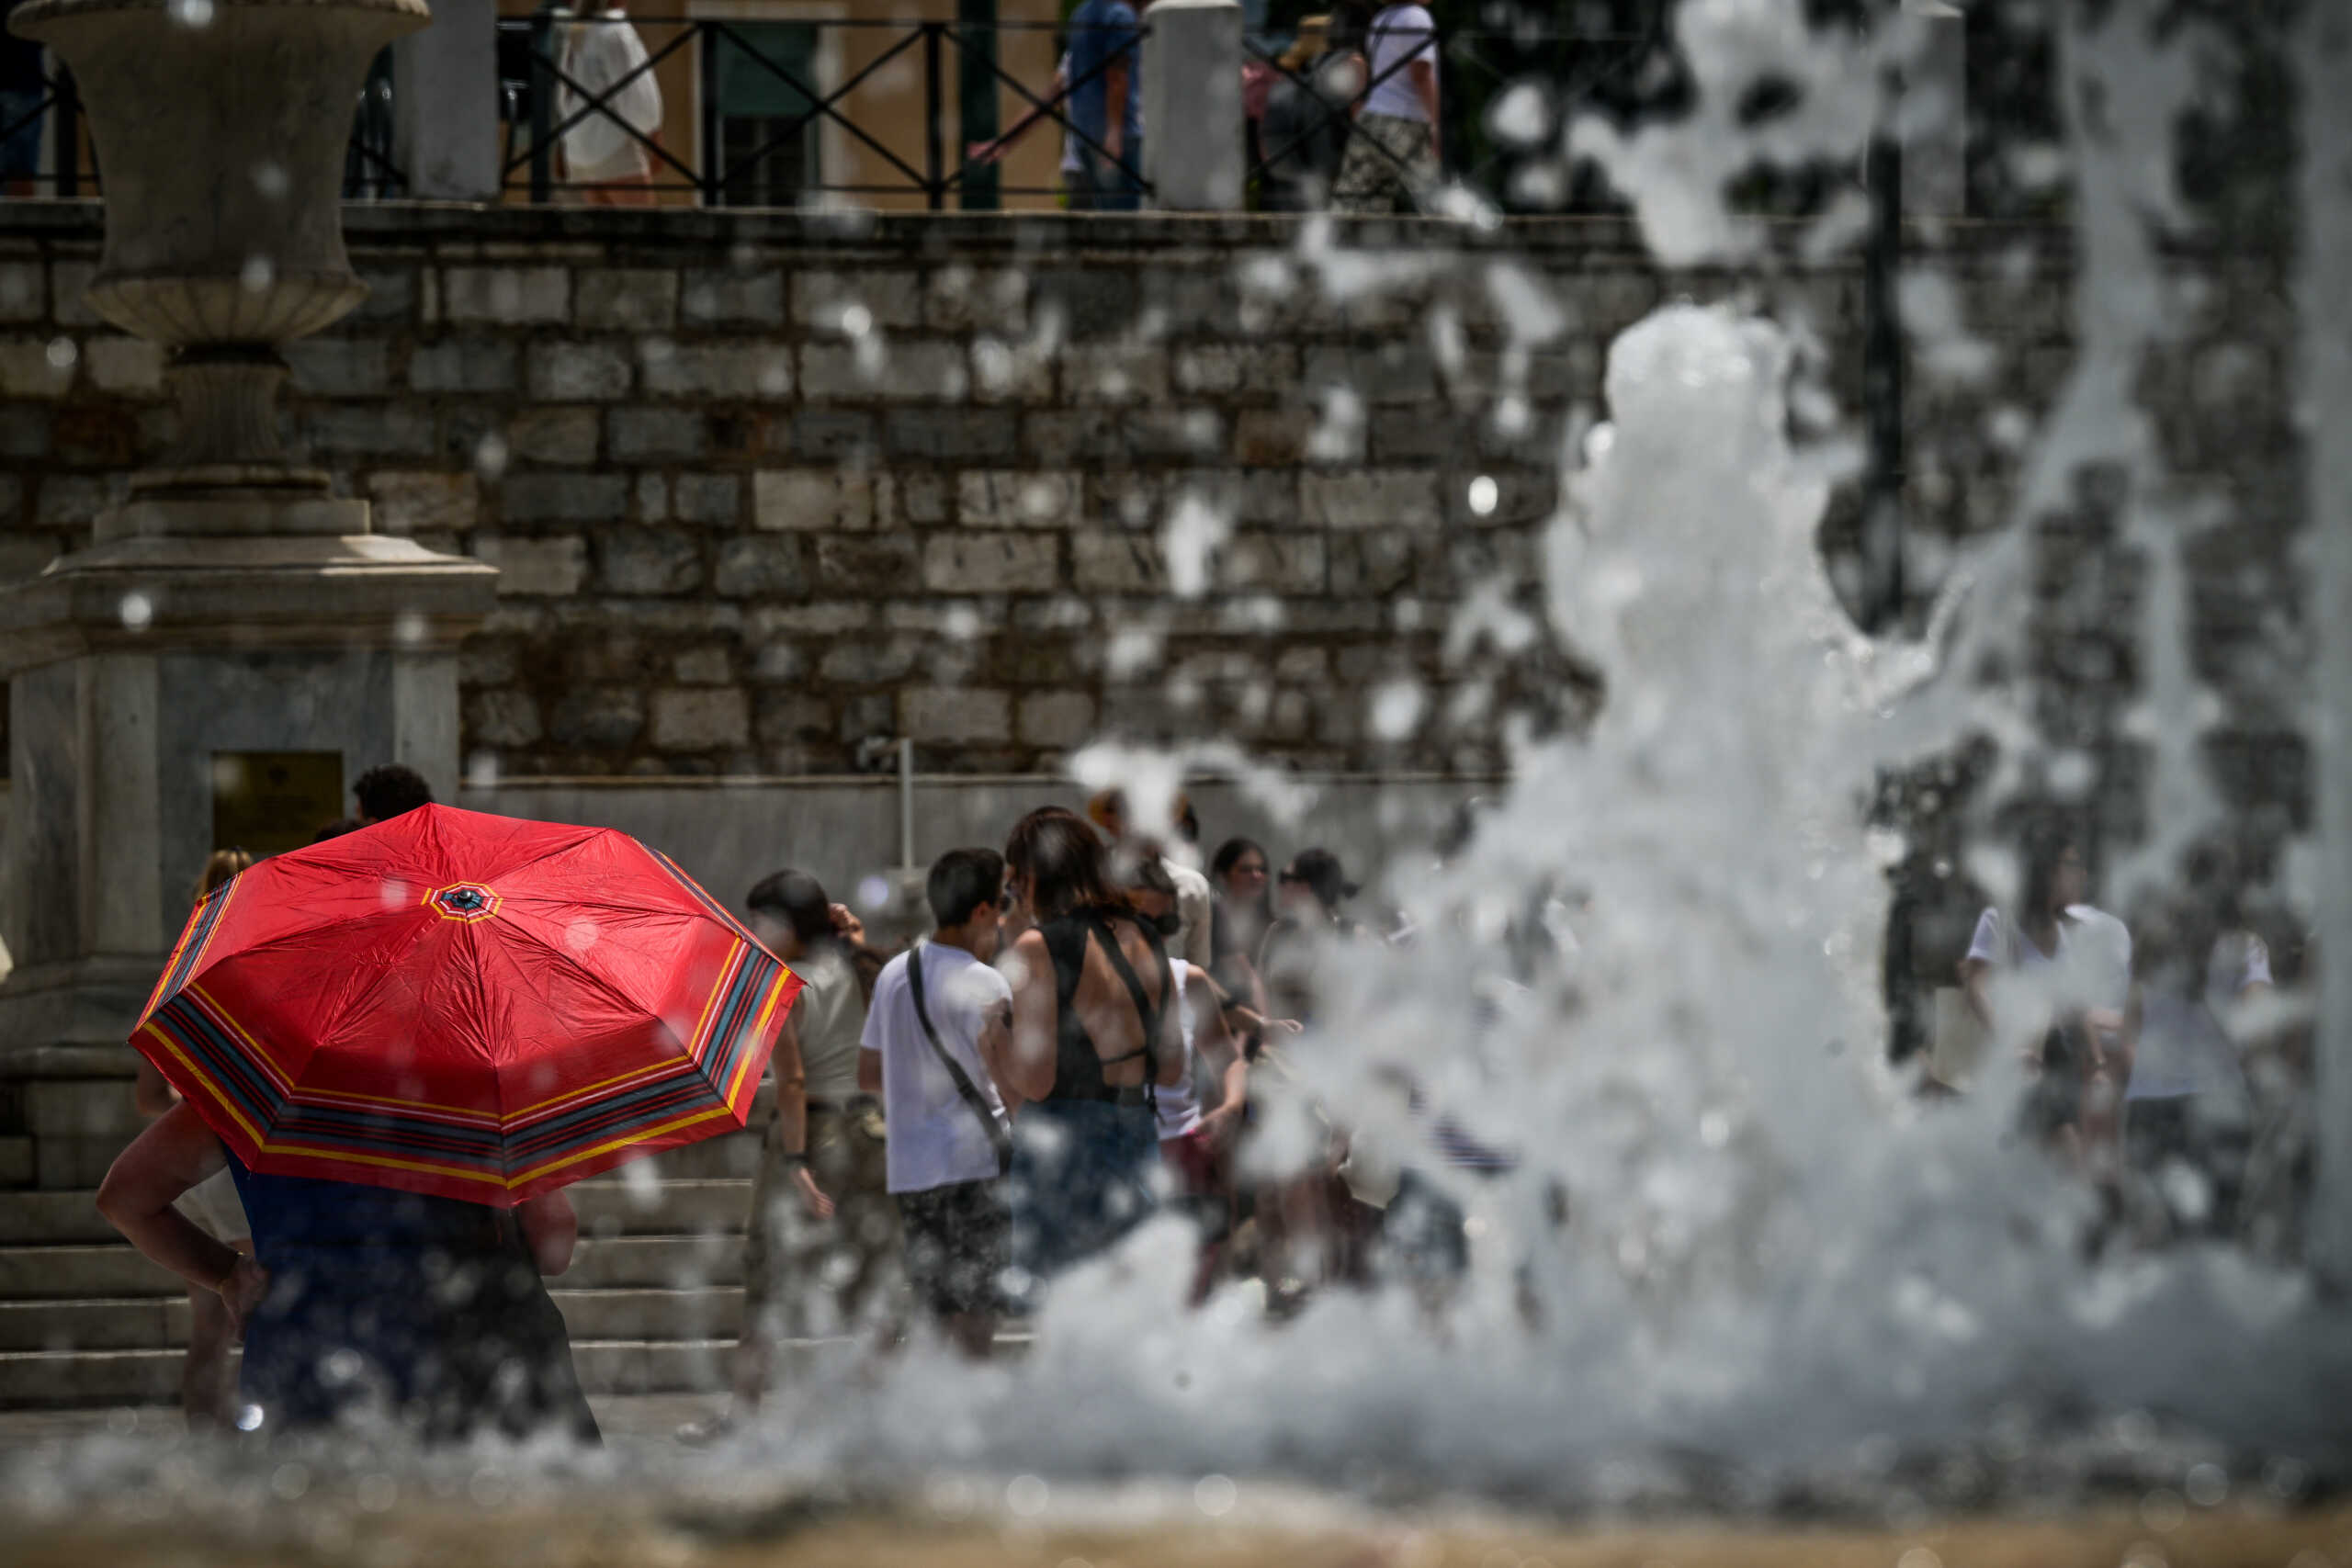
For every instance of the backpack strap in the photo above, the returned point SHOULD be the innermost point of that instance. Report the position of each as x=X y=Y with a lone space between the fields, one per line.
x=1149 y=1017
x=1000 y=1140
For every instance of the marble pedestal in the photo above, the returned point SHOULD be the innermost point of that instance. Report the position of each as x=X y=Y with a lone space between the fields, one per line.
x=193 y=626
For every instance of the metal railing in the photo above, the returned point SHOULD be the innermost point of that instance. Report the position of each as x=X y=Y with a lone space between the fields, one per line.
x=550 y=100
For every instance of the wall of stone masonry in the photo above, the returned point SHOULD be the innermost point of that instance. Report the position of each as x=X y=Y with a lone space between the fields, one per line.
x=738 y=537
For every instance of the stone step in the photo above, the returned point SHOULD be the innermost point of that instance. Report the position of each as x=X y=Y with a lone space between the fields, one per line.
x=161 y=1322
x=49 y=1219
x=36 y=1379
x=16 y=1161
x=81 y=1273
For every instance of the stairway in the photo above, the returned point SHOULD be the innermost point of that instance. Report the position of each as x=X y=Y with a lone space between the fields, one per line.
x=654 y=1297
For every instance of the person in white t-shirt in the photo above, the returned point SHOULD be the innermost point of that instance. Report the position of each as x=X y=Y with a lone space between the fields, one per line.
x=2057 y=973
x=1394 y=158
x=617 y=103
x=935 y=1005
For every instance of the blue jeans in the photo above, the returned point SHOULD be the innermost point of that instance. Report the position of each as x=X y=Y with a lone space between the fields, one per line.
x=1081 y=1179
x=1104 y=186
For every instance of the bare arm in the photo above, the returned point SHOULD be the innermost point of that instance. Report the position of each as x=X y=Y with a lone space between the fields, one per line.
x=1975 y=975
x=1423 y=74
x=996 y=1056
x=1220 y=1053
x=994 y=152
x=1115 y=112
x=150 y=1093
x=869 y=1071
x=792 y=1113
x=1029 y=1054
x=551 y=1227
x=172 y=1155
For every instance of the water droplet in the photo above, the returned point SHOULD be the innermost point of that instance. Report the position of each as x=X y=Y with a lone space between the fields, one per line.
x=259 y=273
x=1025 y=1495
x=2206 y=1485
x=873 y=892
x=192 y=13
x=1714 y=1129
x=270 y=178
x=249 y=1419
x=290 y=1481
x=490 y=457
x=856 y=321
x=1216 y=1495
x=376 y=1493
x=1484 y=495
x=138 y=611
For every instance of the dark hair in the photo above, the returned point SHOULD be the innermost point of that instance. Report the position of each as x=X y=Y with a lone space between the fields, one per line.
x=1060 y=856
x=1228 y=855
x=1320 y=870
x=1150 y=876
x=336 y=829
x=798 y=900
x=389 y=788
x=2045 y=845
x=961 y=883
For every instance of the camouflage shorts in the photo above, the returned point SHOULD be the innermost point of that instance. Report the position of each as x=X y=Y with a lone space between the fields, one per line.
x=1390 y=166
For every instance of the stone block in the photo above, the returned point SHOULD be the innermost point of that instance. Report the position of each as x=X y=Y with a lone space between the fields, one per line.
x=703 y=667
x=760 y=567
x=1062 y=720
x=464 y=364
x=992 y=563
x=785 y=716
x=28 y=368
x=67 y=501
x=359 y=430
x=1174 y=435
x=69 y=289
x=1116 y=563
x=812 y=499
x=1113 y=372
x=867 y=662
x=1234 y=369
x=563 y=498
x=890 y=298
x=699 y=718
x=910 y=370
x=1014 y=499
x=954 y=714
x=24 y=555
x=920 y=495
x=866 y=565
x=1369 y=498
x=1400 y=371
x=391 y=295
x=517 y=296
x=727 y=297
x=1012 y=372
x=502 y=718
x=713 y=500
x=643 y=435
x=340 y=367
x=574 y=372
x=600 y=716
x=627 y=299
x=652 y=498
x=1092 y=302
x=554 y=435
x=130 y=366
x=648 y=560
x=25 y=430
x=424 y=502
x=962 y=299
x=535 y=567
x=742 y=372
x=1371 y=562
x=1273 y=562
x=1061 y=437
x=24 y=292
x=951 y=435
x=835 y=435
x=830 y=619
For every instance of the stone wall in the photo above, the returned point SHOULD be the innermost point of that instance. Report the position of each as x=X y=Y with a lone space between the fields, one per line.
x=740 y=534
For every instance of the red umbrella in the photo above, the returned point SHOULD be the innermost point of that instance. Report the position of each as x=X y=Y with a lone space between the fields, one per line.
x=474 y=1006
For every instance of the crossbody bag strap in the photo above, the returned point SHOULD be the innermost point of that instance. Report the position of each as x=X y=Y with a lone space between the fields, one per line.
x=1000 y=1140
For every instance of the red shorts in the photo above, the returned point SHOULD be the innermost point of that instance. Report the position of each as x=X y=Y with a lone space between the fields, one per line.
x=1194 y=1162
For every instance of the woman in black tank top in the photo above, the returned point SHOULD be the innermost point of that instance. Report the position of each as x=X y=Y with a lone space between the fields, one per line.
x=1085 y=1144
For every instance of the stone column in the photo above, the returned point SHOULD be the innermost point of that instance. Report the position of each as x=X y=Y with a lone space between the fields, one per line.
x=444 y=104
x=1194 y=151
x=234 y=604
x=2326 y=301
x=1935 y=85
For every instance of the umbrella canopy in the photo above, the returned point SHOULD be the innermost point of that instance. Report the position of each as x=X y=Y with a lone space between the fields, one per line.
x=473 y=1006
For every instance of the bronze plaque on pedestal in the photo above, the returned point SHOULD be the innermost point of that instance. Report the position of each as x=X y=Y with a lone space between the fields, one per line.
x=269 y=801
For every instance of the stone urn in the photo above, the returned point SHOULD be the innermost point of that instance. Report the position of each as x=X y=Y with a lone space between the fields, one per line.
x=220 y=128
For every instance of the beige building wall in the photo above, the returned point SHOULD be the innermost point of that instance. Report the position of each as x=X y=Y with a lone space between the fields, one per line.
x=888 y=106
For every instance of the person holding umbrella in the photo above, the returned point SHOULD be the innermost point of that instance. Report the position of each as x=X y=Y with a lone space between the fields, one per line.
x=402 y=1045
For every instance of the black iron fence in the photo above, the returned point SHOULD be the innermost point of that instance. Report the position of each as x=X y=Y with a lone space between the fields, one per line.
x=763 y=87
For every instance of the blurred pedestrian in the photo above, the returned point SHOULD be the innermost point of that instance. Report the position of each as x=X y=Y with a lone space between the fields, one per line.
x=1056 y=106
x=208 y=1388
x=1395 y=158
x=618 y=102
x=1095 y=1035
x=2055 y=973
x=821 y=1249
x=1243 y=911
x=1106 y=104
x=936 y=1047
x=1193 y=939
x=1303 y=134
x=388 y=789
